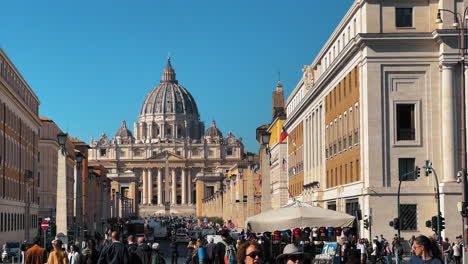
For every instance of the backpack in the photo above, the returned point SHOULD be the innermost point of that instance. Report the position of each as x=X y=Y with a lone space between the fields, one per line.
x=230 y=255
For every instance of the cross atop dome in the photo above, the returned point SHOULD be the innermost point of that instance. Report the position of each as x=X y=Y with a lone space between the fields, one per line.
x=169 y=74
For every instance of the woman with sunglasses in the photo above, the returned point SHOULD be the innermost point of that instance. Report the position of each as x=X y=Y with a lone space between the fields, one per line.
x=426 y=251
x=292 y=255
x=250 y=252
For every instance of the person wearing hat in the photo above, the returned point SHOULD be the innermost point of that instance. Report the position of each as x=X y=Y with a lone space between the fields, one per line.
x=156 y=257
x=292 y=255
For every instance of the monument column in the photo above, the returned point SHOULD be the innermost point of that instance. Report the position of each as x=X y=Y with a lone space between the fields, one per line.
x=174 y=187
x=150 y=186
x=160 y=201
x=189 y=178
x=448 y=122
x=145 y=188
x=184 y=186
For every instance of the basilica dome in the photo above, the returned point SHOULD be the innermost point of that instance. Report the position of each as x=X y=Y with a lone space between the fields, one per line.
x=169 y=97
x=213 y=131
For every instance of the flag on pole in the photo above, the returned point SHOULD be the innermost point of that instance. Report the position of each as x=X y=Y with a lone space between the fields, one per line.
x=283 y=136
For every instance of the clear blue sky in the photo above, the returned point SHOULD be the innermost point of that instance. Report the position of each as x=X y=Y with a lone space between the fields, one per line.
x=92 y=62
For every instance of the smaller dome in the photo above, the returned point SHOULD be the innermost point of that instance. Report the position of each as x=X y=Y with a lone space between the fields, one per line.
x=123 y=131
x=213 y=131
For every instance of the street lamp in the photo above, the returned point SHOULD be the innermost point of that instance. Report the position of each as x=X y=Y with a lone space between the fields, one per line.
x=460 y=25
x=62 y=140
x=79 y=158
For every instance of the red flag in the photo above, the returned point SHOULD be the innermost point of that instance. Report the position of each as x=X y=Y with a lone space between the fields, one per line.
x=283 y=136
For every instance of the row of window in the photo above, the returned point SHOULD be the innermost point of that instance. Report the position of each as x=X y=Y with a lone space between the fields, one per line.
x=342 y=133
x=342 y=90
x=15 y=82
x=296 y=169
x=296 y=189
x=408 y=213
x=15 y=222
x=343 y=174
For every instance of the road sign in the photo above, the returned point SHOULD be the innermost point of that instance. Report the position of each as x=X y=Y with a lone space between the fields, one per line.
x=45 y=225
x=231 y=225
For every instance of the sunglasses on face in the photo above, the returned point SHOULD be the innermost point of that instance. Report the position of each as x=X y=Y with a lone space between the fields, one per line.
x=295 y=258
x=255 y=254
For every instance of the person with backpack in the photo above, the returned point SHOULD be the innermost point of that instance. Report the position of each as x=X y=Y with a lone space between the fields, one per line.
x=225 y=250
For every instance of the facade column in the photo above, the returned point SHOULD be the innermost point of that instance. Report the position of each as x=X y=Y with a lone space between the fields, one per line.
x=174 y=187
x=150 y=131
x=160 y=201
x=150 y=186
x=448 y=122
x=189 y=178
x=145 y=187
x=184 y=186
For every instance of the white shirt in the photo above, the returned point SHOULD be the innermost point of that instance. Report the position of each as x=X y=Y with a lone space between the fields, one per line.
x=374 y=249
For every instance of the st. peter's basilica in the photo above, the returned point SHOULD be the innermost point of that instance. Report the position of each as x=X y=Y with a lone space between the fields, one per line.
x=156 y=165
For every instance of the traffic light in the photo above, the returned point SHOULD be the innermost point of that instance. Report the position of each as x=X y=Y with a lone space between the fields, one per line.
x=434 y=223
x=417 y=172
x=366 y=224
x=428 y=167
x=396 y=223
x=441 y=223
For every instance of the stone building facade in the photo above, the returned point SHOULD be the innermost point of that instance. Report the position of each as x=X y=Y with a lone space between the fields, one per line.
x=157 y=164
x=19 y=138
x=379 y=99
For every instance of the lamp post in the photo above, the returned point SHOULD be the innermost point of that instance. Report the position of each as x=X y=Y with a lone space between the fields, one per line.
x=62 y=199
x=79 y=196
x=460 y=24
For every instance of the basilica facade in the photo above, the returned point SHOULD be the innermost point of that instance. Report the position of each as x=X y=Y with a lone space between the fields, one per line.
x=156 y=165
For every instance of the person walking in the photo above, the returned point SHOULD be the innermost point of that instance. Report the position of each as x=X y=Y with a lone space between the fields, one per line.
x=174 y=253
x=75 y=256
x=114 y=253
x=36 y=254
x=58 y=256
x=143 y=251
x=201 y=255
x=426 y=251
x=375 y=251
x=446 y=248
x=156 y=257
x=210 y=251
x=190 y=253
x=457 y=252
x=90 y=254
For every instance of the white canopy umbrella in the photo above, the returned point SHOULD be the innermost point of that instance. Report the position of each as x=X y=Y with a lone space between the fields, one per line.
x=297 y=214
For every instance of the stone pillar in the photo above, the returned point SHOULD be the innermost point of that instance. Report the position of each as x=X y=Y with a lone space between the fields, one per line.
x=150 y=186
x=166 y=185
x=189 y=180
x=184 y=186
x=160 y=201
x=145 y=187
x=174 y=187
x=61 y=201
x=132 y=194
x=150 y=131
x=448 y=122
x=200 y=196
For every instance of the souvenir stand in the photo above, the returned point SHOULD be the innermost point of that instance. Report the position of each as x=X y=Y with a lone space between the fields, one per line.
x=311 y=227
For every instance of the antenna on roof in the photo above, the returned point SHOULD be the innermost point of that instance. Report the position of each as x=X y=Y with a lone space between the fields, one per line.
x=279 y=76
